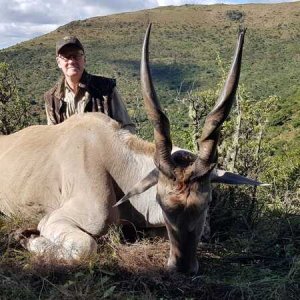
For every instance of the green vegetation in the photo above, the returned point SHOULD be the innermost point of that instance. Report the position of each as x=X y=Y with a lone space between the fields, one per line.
x=15 y=111
x=253 y=251
x=185 y=42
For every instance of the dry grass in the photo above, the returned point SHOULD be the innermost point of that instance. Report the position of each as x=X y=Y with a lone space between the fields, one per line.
x=245 y=265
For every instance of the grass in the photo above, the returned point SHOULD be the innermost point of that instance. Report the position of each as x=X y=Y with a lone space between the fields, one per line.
x=238 y=262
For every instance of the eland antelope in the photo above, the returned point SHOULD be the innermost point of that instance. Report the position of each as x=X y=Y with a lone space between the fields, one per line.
x=67 y=176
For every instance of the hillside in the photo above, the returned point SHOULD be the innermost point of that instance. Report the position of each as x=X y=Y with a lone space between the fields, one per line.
x=186 y=44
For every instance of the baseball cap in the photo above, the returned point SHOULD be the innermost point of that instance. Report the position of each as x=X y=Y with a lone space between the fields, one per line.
x=68 y=40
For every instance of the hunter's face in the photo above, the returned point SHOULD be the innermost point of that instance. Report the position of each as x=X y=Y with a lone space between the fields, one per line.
x=71 y=60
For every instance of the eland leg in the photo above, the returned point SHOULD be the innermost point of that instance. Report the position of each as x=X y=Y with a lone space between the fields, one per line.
x=69 y=244
x=61 y=240
x=61 y=237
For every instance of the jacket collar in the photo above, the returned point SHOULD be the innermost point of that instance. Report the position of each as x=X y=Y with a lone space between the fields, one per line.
x=59 y=89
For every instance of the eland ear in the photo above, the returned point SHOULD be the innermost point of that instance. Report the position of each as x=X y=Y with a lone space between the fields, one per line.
x=221 y=176
x=143 y=185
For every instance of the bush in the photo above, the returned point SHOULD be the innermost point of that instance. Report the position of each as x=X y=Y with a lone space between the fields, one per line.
x=14 y=111
x=235 y=15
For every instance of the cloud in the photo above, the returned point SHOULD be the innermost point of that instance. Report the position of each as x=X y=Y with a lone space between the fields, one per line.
x=24 y=19
x=62 y=11
x=13 y=33
x=208 y=2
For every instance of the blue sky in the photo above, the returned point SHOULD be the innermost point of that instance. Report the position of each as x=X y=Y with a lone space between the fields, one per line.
x=22 y=20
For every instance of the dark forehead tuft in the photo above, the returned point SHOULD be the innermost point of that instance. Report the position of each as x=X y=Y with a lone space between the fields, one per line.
x=183 y=158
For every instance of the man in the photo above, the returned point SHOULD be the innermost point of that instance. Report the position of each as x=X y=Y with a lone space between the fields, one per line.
x=78 y=91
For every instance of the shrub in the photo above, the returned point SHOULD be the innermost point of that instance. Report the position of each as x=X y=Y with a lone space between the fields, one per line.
x=14 y=110
x=235 y=15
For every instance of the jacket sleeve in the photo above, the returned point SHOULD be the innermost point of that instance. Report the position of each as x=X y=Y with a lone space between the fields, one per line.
x=49 y=111
x=119 y=112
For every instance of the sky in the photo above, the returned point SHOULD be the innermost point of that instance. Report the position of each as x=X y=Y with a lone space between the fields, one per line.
x=21 y=20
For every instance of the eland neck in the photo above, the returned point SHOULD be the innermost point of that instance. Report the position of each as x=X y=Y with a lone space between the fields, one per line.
x=132 y=160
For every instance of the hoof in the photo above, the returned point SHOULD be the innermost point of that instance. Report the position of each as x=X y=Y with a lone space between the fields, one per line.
x=20 y=234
